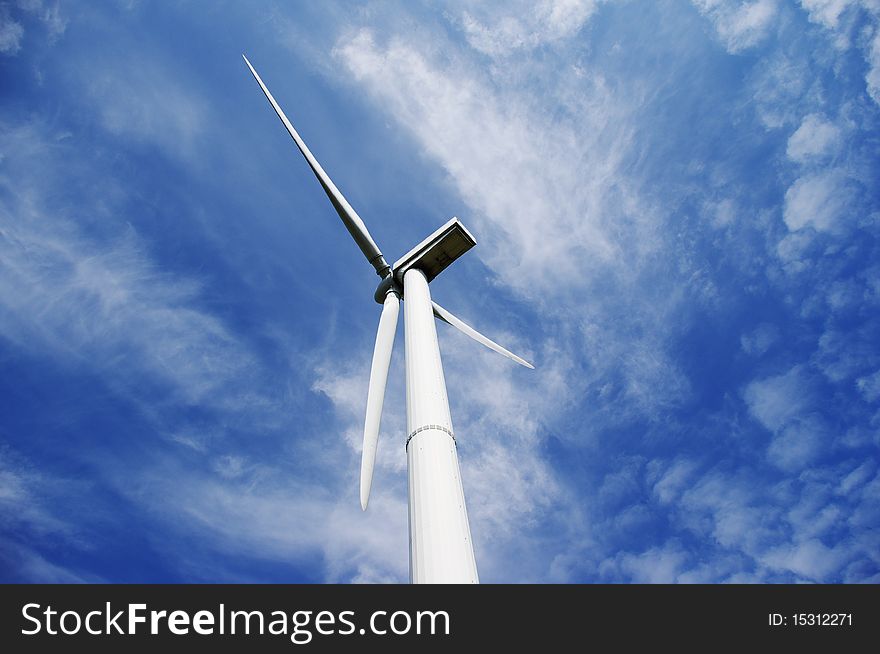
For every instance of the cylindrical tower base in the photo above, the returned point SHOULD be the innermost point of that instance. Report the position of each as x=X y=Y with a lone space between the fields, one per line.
x=441 y=550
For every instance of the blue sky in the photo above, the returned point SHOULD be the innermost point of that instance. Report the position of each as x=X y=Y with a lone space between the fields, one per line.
x=677 y=214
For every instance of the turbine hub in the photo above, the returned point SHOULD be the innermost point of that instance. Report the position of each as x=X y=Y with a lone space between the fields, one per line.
x=387 y=284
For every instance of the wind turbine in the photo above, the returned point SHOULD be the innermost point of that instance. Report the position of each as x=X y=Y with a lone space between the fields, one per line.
x=441 y=548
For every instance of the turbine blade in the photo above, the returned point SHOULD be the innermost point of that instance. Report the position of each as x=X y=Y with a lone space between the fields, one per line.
x=349 y=216
x=447 y=317
x=376 y=393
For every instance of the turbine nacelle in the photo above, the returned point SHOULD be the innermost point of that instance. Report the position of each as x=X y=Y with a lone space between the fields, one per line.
x=432 y=256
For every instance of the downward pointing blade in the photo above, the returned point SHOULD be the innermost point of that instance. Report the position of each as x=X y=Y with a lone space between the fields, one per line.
x=447 y=317
x=349 y=216
x=376 y=394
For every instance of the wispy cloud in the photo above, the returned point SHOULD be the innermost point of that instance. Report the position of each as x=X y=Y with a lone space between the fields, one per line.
x=658 y=565
x=11 y=32
x=740 y=25
x=471 y=129
x=277 y=517
x=13 y=16
x=500 y=29
x=820 y=201
x=99 y=302
x=31 y=519
x=815 y=138
x=842 y=18
x=827 y=12
x=148 y=103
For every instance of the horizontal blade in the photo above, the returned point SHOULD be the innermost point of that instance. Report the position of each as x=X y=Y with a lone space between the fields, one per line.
x=376 y=393
x=349 y=216
x=447 y=317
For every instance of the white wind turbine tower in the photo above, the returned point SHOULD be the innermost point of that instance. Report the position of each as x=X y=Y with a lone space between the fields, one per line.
x=441 y=548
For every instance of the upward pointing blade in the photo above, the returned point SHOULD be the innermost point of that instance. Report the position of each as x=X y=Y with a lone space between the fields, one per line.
x=447 y=317
x=349 y=216
x=376 y=394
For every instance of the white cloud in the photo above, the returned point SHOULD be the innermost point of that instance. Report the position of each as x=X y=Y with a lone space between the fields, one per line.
x=674 y=480
x=773 y=401
x=730 y=510
x=740 y=25
x=821 y=201
x=231 y=466
x=107 y=307
x=508 y=485
x=499 y=33
x=844 y=354
x=855 y=478
x=844 y=295
x=826 y=12
x=11 y=32
x=773 y=531
x=33 y=515
x=345 y=383
x=760 y=340
x=477 y=133
x=658 y=565
x=783 y=81
x=794 y=249
x=872 y=78
x=55 y=22
x=100 y=301
x=723 y=212
x=797 y=445
x=279 y=517
x=32 y=568
x=811 y=559
x=814 y=139
x=869 y=386
x=23 y=492
x=49 y=13
x=147 y=101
